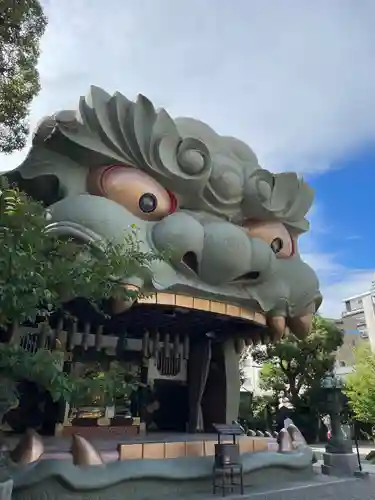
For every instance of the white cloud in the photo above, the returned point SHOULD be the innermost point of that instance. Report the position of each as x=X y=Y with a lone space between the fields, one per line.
x=337 y=281
x=352 y=282
x=295 y=79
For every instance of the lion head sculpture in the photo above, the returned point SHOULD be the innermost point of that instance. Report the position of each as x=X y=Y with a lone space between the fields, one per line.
x=230 y=227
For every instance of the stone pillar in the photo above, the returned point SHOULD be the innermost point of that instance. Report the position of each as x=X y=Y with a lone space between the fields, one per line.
x=339 y=459
x=67 y=421
x=233 y=384
x=6 y=489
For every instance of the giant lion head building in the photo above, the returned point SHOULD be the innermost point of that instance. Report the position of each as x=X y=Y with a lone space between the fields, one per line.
x=229 y=229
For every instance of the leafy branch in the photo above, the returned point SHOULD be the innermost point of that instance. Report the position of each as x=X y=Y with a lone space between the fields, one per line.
x=43 y=368
x=360 y=385
x=298 y=366
x=39 y=272
x=22 y=24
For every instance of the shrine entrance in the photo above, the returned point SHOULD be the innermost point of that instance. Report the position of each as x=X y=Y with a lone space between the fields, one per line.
x=173 y=407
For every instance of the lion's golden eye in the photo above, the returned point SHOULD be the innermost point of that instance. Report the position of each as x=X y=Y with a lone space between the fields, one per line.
x=133 y=189
x=275 y=234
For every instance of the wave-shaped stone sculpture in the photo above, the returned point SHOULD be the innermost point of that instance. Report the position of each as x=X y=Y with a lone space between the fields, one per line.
x=60 y=479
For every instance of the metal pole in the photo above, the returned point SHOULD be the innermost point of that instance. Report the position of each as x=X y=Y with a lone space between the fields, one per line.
x=356 y=445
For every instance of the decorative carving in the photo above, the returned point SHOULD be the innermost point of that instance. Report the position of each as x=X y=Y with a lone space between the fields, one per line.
x=301 y=325
x=229 y=227
x=296 y=435
x=55 y=481
x=29 y=448
x=111 y=129
x=277 y=325
x=83 y=452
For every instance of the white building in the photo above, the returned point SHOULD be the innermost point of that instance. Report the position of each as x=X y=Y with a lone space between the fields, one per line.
x=358 y=325
x=359 y=315
x=355 y=333
x=251 y=372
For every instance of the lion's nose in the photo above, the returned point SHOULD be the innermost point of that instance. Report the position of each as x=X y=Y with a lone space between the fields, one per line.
x=180 y=237
x=217 y=252
x=230 y=256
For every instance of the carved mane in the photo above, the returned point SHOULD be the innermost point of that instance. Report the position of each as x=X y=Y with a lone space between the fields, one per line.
x=112 y=129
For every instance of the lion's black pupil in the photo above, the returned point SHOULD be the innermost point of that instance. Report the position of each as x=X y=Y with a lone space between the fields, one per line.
x=148 y=202
x=277 y=245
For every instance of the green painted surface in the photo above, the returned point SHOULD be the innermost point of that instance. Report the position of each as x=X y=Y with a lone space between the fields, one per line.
x=148 y=479
x=219 y=186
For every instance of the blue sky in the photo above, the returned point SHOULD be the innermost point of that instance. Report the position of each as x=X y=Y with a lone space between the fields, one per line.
x=295 y=79
x=341 y=227
x=347 y=192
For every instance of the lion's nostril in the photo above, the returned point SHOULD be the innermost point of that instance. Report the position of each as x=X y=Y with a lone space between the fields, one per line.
x=190 y=259
x=252 y=275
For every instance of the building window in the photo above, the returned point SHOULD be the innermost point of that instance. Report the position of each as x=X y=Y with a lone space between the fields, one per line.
x=348 y=306
x=342 y=364
x=360 y=302
x=168 y=366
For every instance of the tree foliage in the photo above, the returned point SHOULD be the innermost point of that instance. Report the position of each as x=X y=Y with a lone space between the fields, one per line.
x=360 y=385
x=42 y=367
x=298 y=366
x=38 y=271
x=22 y=23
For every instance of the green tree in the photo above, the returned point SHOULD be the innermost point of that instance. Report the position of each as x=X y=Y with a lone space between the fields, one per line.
x=22 y=24
x=38 y=271
x=298 y=366
x=360 y=385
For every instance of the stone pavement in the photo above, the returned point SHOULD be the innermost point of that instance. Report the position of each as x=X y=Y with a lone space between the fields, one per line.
x=344 y=489
x=320 y=487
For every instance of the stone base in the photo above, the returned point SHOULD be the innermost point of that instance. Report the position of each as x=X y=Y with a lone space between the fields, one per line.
x=340 y=464
x=360 y=474
x=340 y=446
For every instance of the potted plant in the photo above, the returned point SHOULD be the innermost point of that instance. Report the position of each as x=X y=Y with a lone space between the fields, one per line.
x=98 y=389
